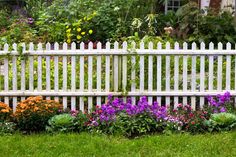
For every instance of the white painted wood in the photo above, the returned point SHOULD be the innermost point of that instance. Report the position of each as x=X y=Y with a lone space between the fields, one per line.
x=133 y=75
x=81 y=86
x=48 y=70
x=31 y=68
x=141 y=70
x=202 y=75
x=219 y=69
x=228 y=68
x=150 y=73
x=23 y=71
x=64 y=64
x=90 y=77
x=159 y=67
x=193 y=78
x=99 y=73
x=116 y=68
x=167 y=74
x=6 y=74
x=40 y=47
x=56 y=75
x=211 y=66
x=73 y=77
x=185 y=73
x=14 y=77
x=176 y=76
x=235 y=74
x=124 y=70
x=107 y=77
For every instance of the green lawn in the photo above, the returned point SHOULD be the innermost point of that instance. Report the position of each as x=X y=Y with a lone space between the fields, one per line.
x=75 y=145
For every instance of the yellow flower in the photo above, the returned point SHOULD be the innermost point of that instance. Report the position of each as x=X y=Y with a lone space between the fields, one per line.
x=79 y=37
x=85 y=18
x=83 y=33
x=78 y=29
x=68 y=30
x=90 y=31
x=68 y=40
x=67 y=26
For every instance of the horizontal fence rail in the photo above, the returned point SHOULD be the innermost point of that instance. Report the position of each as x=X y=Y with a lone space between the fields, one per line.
x=81 y=76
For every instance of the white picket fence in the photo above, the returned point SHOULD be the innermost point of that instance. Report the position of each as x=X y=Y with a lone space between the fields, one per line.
x=81 y=77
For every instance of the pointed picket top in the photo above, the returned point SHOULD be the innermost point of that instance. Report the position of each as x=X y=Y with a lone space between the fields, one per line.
x=99 y=45
x=73 y=46
x=56 y=46
x=108 y=45
x=90 y=45
x=48 y=46
x=40 y=46
x=116 y=45
x=176 y=45
x=185 y=46
x=220 y=46
x=159 y=45
x=31 y=46
x=194 y=46
x=150 y=45
x=81 y=46
x=211 y=46
x=133 y=45
x=228 y=46
x=14 y=46
x=142 y=45
x=202 y=46
x=124 y=45
x=6 y=47
x=167 y=45
x=64 y=46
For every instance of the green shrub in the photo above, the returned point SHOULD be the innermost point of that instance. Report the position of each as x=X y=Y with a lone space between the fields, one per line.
x=61 y=123
x=7 y=128
x=32 y=114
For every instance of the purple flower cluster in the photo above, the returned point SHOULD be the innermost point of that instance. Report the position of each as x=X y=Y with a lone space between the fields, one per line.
x=108 y=112
x=219 y=102
x=30 y=21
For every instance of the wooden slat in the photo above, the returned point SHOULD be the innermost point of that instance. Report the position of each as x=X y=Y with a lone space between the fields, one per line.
x=167 y=86
x=193 y=78
x=176 y=76
x=81 y=77
x=228 y=68
x=141 y=66
x=133 y=75
x=107 y=77
x=159 y=67
x=124 y=69
x=202 y=76
x=73 y=77
x=14 y=77
x=90 y=77
x=40 y=47
x=48 y=70
x=99 y=71
x=185 y=73
x=6 y=74
x=219 y=69
x=64 y=64
x=150 y=73
x=116 y=69
x=211 y=66
x=23 y=71
x=56 y=75
x=31 y=68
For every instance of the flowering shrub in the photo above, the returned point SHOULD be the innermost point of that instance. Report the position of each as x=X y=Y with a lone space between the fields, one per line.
x=220 y=103
x=5 y=112
x=7 y=128
x=33 y=113
x=189 y=120
x=130 y=117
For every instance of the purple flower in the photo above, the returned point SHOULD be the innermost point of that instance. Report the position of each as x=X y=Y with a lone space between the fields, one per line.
x=222 y=109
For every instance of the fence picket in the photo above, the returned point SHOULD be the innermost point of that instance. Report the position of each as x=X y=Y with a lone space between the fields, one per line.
x=48 y=71
x=6 y=74
x=90 y=77
x=14 y=77
x=219 y=68
x=99 y=71
x=141 y=66
x=31 y=69
x=150 y=72
x=176 y=76
x=40 y=47
x=56 y=76
x=73 y=77
x=202 y=75
x=81 y=86
x=64 y=64
x=133 y=75
x=185 y=74
x=211 y=66
x=228 y=68
x=167 y=74
x=159 y=67
x=116 y=69
x=124 y=69
x=22 y=87
x=193 y=79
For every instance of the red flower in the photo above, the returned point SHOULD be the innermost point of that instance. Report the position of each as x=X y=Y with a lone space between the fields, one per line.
x=193 y=123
